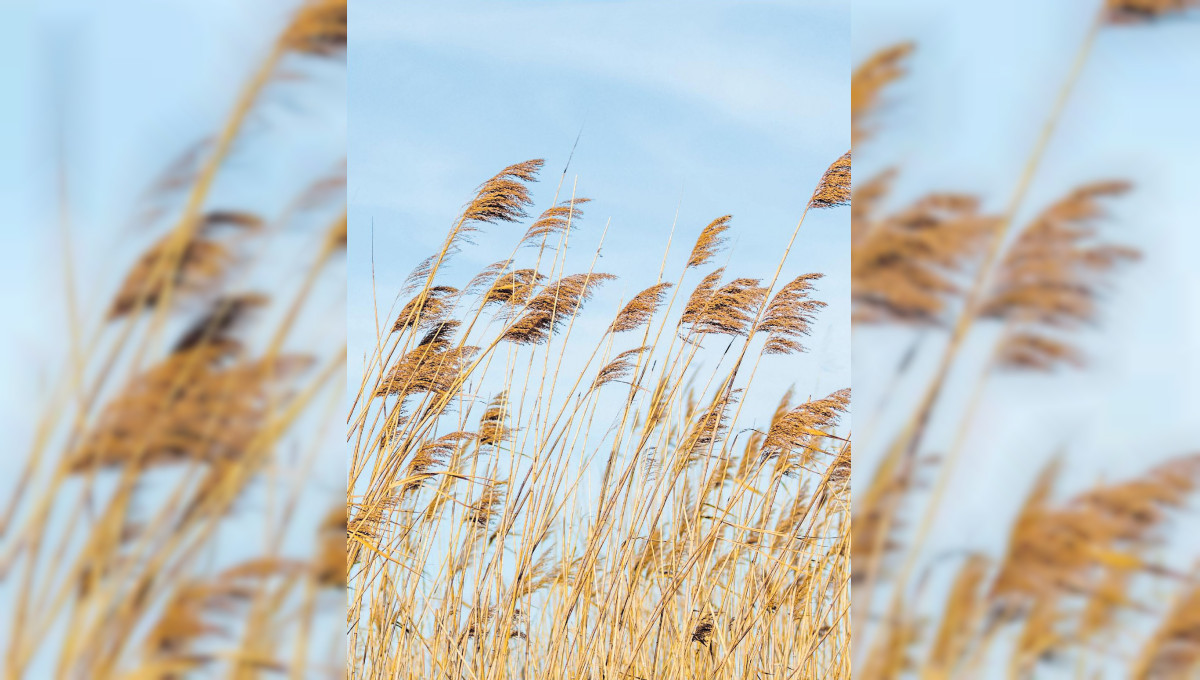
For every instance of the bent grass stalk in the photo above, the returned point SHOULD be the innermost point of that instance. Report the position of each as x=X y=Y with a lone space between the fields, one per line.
x=465 y=574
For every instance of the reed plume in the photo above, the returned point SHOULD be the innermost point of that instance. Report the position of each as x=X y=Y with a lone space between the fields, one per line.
x=794 y=434
x=867 y=83
x=1052 y=277
x=834 y=188
x=160 y=417
x=789 y=316
x=555 y=220
x=319 y=28
x=619 y=368
x=726 y=310
x=639 y=310
x=710 y=241
x=556 y=303
x=205 y=260
x=427 y=309
x=1141 y=11
x=907 y=267
x=504 y=197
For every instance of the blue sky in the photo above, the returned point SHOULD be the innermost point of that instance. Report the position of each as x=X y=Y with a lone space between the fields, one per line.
x=723 y=108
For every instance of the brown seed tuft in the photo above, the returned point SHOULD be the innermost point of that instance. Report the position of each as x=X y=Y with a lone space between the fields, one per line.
x=513 y=288
x=1142 y=11
x=868 y=82
x=555 y=221
x=711 y=240
x=728 y=310
x=619 y=368
x=795 y=435
x=1052 y=277
x=429 y=307
x=789 y=316
x=906 y=267
x=640 y=309
x=503 y=198
x=216 y=328
x=554 y=304
x=317 y=29
x=834 y=188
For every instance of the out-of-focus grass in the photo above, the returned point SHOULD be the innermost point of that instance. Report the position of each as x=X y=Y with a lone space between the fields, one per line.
x=160 y=523
x=1074 y=585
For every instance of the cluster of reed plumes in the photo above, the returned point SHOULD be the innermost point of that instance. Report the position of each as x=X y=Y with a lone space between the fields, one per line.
x=120 y=550
x=536 y=495
x=1069 y=591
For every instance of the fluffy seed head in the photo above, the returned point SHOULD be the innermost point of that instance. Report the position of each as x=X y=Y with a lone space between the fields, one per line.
x=834 y=188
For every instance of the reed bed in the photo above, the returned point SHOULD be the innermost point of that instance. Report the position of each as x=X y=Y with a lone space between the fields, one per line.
x=542 y=488
x=1071 y=589
x=183 y=425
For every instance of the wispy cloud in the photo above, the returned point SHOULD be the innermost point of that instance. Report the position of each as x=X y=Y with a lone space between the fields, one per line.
x=755 y=75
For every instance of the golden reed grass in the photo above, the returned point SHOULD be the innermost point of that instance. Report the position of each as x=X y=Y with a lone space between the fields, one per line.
x=1073 y=577
x=171 y=423
x=530 y=500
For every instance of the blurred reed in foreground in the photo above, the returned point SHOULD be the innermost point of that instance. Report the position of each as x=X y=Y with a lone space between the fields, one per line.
x=543 y=489
x=120 y=550
x=1067 y=592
